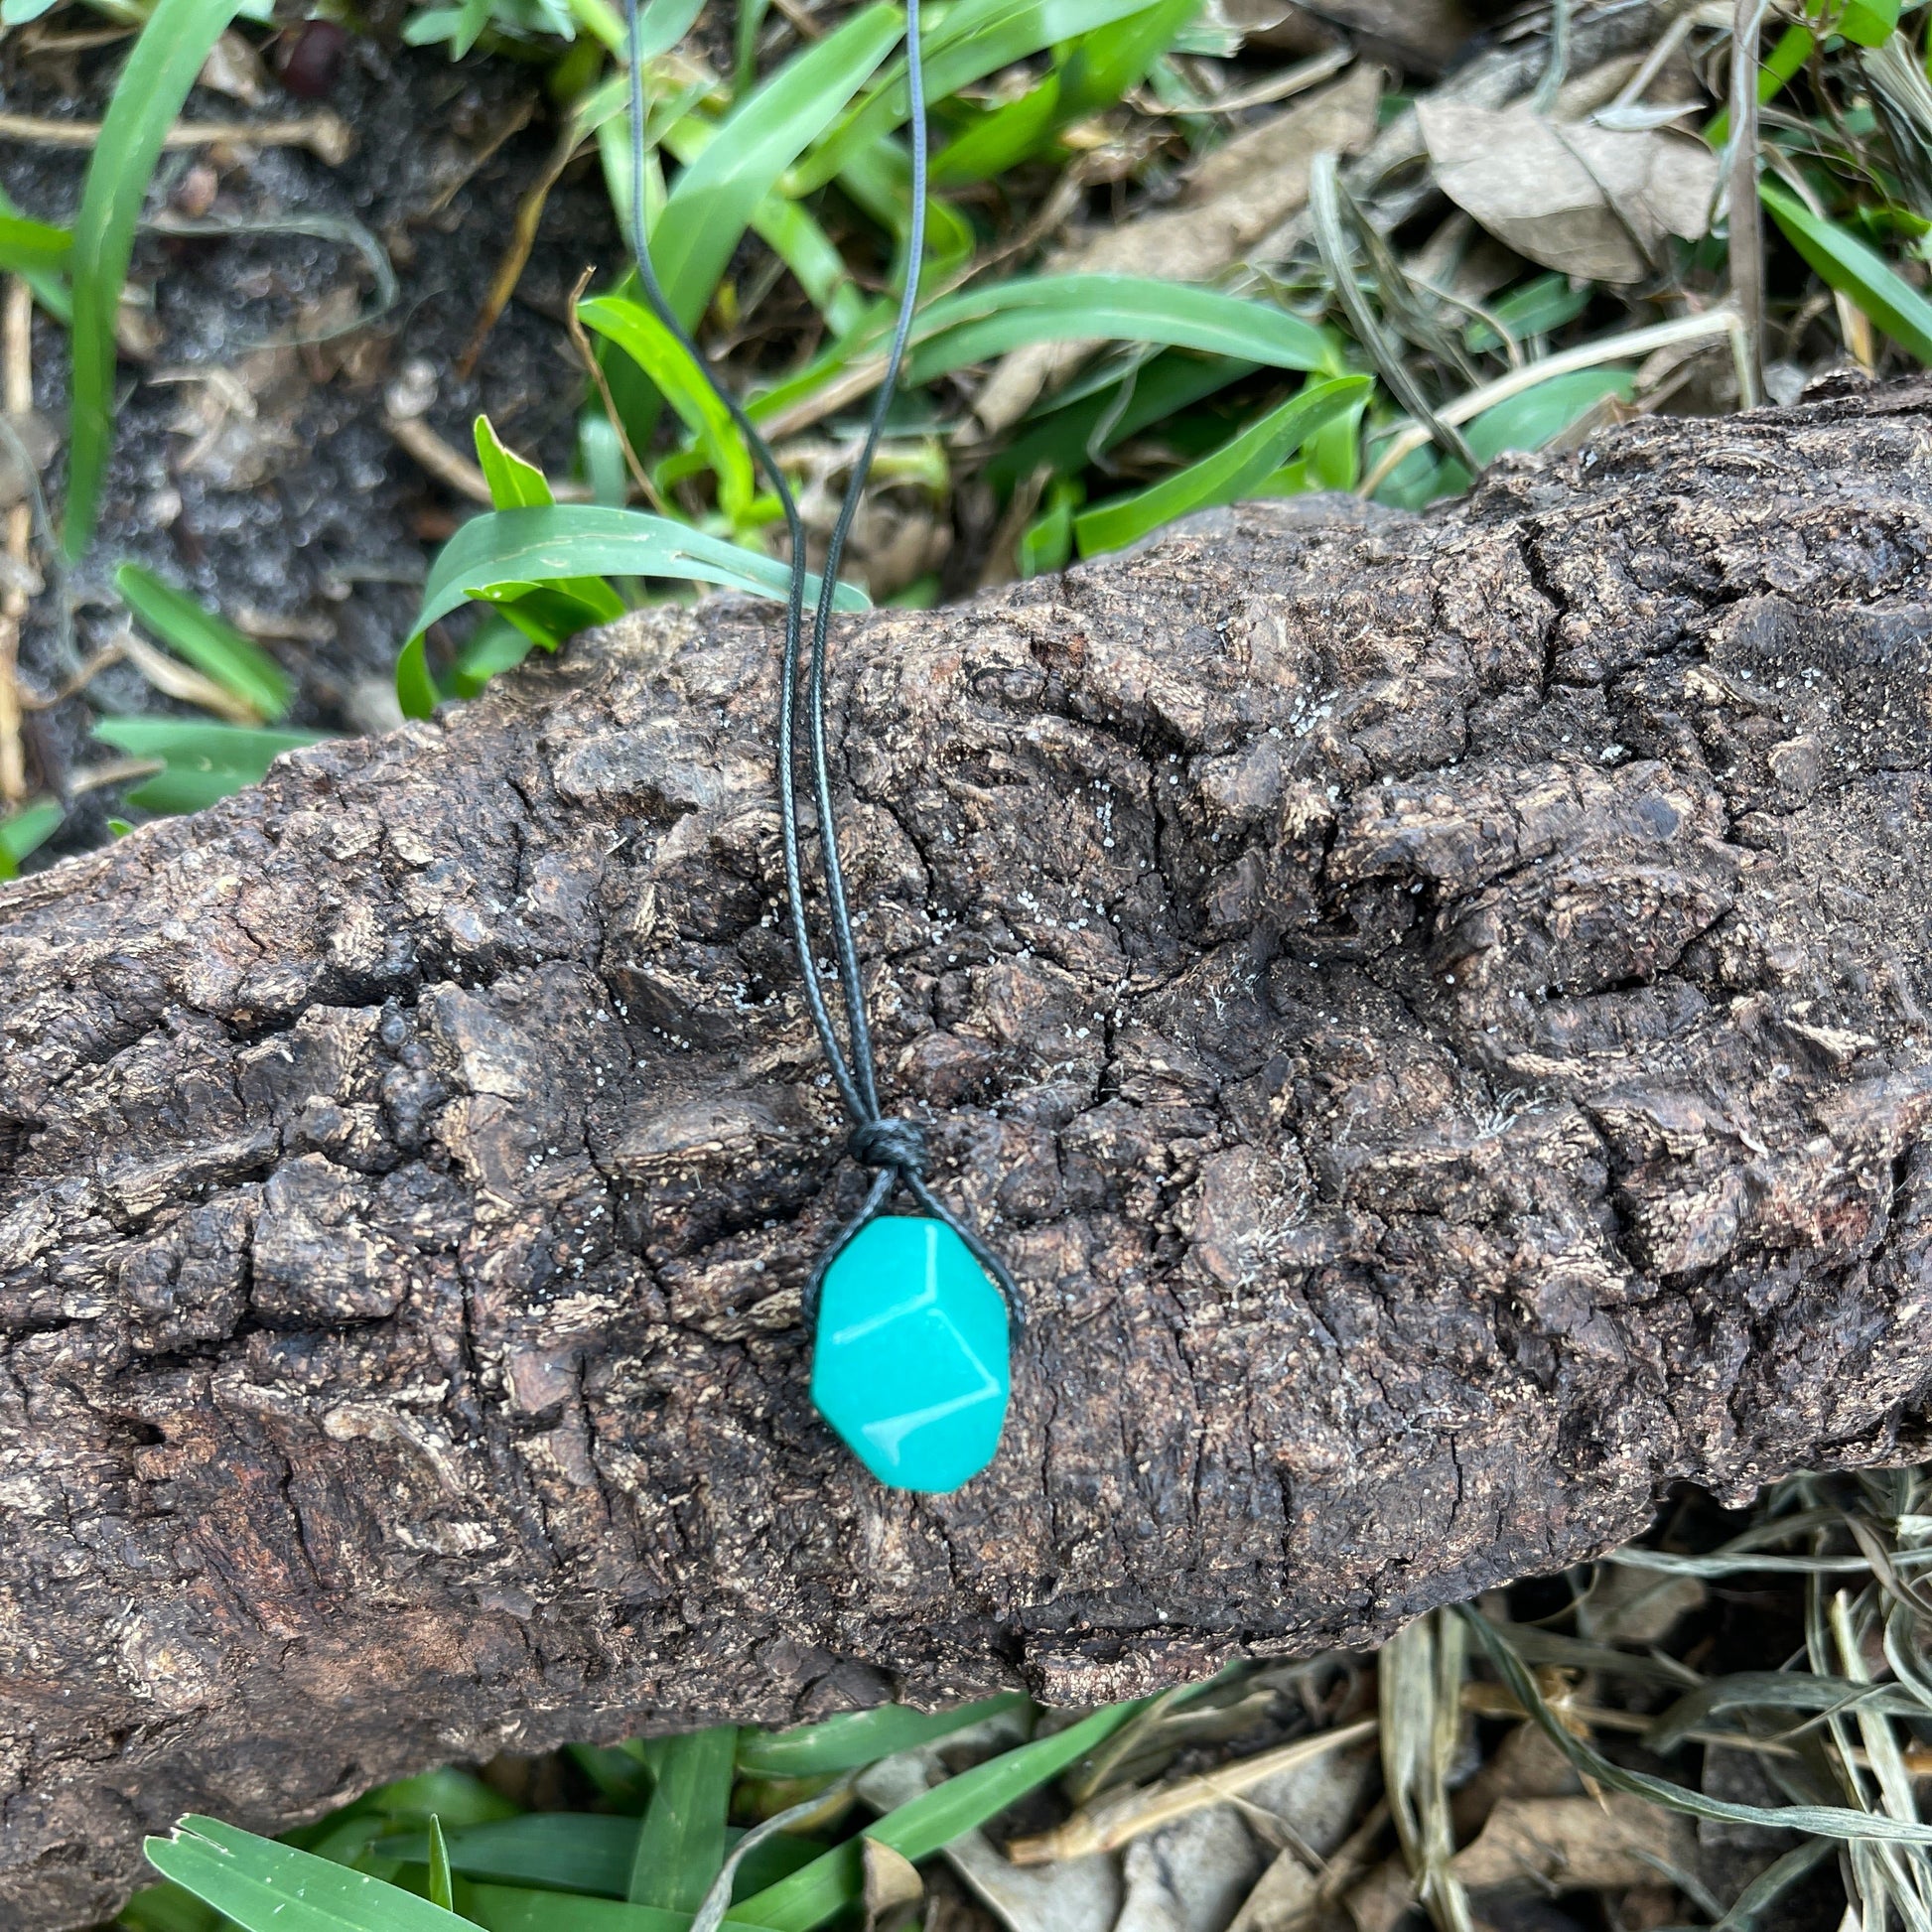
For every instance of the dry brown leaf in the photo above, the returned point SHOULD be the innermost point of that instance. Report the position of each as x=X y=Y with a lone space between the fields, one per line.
x=1074 y=1895
x=1189 y=1877
x=1593 y=202
x=1382 y=1899
x=893 y=1889
x=1238 y=194
x=1427 y=34
x=1284 y=1897
x=1636 y=1607
x=1576 y=1844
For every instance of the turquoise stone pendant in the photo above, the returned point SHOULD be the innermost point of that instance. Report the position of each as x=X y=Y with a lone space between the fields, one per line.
x=909 y=1360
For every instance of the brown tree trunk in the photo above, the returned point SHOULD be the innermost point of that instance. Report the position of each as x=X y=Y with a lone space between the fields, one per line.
x=1433 y=1010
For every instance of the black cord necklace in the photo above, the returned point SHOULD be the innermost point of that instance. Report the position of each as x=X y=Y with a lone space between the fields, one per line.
x=911 y=1312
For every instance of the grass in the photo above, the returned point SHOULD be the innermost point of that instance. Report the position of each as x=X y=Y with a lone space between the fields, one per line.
x=1381 y=351
x=1187 y=397
x=1621 y=1667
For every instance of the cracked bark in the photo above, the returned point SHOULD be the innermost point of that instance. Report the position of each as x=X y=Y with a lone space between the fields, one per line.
x=1432 y=1010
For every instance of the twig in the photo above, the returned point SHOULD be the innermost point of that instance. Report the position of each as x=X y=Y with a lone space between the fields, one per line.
x=1113 y=1825
x=17 y=393
x=326 y=134
x=404 y=409
x=1587 y=355
x=1746 y=222
x=582 y=344
x=524 y=237
x=1548 y=88
x=1338 y=258
x=1291 y=81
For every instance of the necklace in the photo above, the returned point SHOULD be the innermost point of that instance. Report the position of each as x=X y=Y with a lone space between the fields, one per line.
x=909 y=1313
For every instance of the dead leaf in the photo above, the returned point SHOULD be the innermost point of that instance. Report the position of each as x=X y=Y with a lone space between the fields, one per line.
x=1593 y=202
x=893 y=1889
x=1075 y=1895
x=1636 y=1607
x=1189 y=1877
x=1425 y=33
x=1576 y=1844
x=1283 y=1897
x=1382 y=1899
x=1242 y=191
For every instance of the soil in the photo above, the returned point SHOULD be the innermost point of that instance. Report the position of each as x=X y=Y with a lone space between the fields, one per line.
x=306 y=520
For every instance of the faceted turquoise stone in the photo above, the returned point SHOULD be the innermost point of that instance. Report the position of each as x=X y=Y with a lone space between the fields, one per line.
x=909 y=1363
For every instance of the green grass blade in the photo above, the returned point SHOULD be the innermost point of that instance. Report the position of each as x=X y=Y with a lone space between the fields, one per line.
x=50 y=289
x=1822 y=1821
x=856 y=1738
x=970 y=41
x=1857 y=272
x=563 y=1850
x=916 y=1830
x=214 y=647
x=567 y=541
x=1094 y=71
x=28 y=247
x=25 y=831
x=681 y=1841
x=270 y=1887
x=712 y=203
x=167 y=1908
x=514 y=483
x=679 y=380
x=1224 y=476
x=513 y=1908
x=442 y=1886
x=1539 y=415
x=979 y=323
x=1768 y=1690
x=146 y=97
x=416 y=692
x=203 y=762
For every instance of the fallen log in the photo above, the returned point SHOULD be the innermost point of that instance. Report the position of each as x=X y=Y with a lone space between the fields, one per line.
x=1432 y=1010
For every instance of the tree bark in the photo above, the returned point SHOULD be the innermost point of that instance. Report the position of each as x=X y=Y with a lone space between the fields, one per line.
x=1432 y=1010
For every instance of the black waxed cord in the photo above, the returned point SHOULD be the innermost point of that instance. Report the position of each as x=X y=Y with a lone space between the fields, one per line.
x=895 y=1147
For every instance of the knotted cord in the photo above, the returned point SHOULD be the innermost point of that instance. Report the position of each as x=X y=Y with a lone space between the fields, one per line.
x=892 y=1146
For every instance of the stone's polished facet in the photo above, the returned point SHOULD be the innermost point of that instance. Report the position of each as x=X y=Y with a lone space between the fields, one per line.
x=910 y=1362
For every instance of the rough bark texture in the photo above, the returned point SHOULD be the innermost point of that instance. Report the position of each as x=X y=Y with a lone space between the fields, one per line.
x=1433 y=1010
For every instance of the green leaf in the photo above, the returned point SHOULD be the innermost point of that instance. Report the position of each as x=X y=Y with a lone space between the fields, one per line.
x=512 y=1909
x=1224 y=476
x=50 y=289
x=856 y=1738
x=711 y=204
x=416 y=691
x=1533 y=307
x=969 y=41
x=1866 y=23
x=270 y=1887
x=167 y=1908
x=442 y=1887
x=498 y=646
x=548 y=616
x=916 y=1830
x=203 y=762
x=1854 y=271
x=1824 y=1820
x=979 y=323
x=1539 y=415
x=580 y=1852
x=28 y=246
x=214 y=647
x=514 y=483
x=568 y=1851
x=1078 y=426
x=685 y=386
x=1095 y=71
x=506 y=551
x=25 y=831
x=148 y=96
x=681 y=1842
